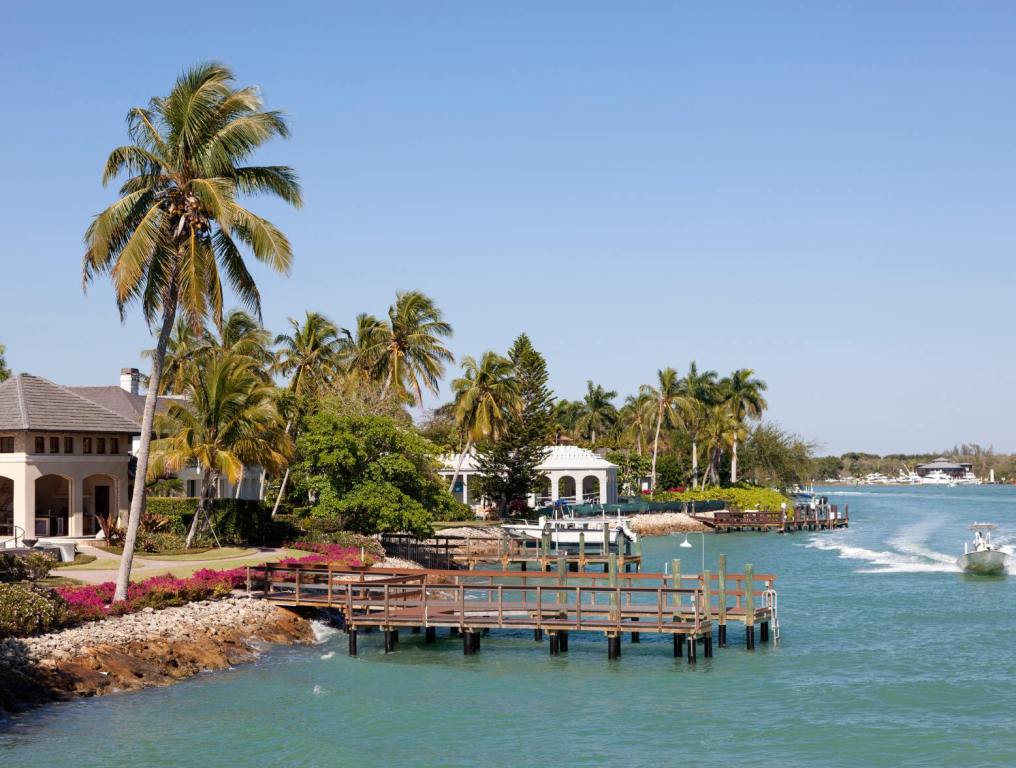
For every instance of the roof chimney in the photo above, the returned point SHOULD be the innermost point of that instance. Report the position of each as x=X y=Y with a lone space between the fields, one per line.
x=130 y=380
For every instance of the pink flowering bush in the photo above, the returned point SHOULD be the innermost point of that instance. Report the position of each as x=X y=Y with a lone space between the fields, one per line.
x=329 y=553
x=89 y=602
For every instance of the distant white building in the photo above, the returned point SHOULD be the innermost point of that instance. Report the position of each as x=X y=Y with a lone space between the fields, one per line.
x=573 y=474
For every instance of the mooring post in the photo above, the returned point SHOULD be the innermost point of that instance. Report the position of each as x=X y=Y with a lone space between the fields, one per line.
x=692 y=649
x=635 y=638
x=706 y=611
x=538 y=635
x=615 y=602
x=389 y=642
x=675 y=583
x=467 y=643
x=763 y=632
x=562 y=641
x=678 y=644
x=352 y=641
x=562 y=582
x=606 y=539
x=555 y=647
x=545 y=541
x=430 y=635
x=395 y=637
x=582 y=550
x=721 y=579
x=749 y=606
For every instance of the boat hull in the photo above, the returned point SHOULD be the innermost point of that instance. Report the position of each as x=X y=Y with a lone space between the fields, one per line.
x=984 y=562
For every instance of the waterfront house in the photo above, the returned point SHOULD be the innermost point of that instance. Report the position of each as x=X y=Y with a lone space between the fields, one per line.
x=64 y=460
x=570 y=473
x=946 y=467
x=127 y=400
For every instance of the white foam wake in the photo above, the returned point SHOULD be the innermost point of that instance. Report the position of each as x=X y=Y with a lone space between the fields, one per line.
x=889 y=561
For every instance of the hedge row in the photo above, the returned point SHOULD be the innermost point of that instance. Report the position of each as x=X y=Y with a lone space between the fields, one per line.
x=740 y=497
x=236 y=521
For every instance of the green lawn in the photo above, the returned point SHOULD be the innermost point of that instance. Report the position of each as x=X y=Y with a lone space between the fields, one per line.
x=102 y=564
x=183 y=571
x=202 y=554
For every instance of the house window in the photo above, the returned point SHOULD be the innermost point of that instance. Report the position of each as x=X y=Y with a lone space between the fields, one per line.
x=54 y=445
x=68 y=445
x=40 y=444
x=100 y=445
x=6 y=445
x=86 y=445
x=114 y=445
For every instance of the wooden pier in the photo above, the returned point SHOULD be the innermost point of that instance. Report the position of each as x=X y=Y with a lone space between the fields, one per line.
x=684 y=606
x=472 y=552
x=801 y=518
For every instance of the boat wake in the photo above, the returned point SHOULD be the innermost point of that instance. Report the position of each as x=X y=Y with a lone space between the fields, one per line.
x=907 y=559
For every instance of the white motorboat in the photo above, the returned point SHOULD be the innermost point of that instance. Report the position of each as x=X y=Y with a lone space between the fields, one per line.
x=981 y=556
x=566 y=529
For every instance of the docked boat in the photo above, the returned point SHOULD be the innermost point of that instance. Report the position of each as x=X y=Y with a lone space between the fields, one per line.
x=980 y=555
x=566 y=529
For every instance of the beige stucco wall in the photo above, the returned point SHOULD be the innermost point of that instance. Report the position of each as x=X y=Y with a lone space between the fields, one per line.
x=79 y=469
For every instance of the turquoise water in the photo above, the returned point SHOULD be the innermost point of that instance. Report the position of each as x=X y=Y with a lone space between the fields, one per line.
x=889 y=657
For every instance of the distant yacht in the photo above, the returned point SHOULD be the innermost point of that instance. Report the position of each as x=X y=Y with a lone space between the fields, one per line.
x=981 y=556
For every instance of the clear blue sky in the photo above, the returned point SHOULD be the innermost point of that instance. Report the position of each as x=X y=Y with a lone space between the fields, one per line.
x=823 y=192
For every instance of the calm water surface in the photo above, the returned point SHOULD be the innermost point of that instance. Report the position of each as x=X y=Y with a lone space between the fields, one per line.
x=889 y=657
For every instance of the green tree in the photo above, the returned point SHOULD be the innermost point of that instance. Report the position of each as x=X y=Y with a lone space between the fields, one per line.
x=631 y=468
x=5 y=372
x=484 y=395
x=178 y=221
x=509 y=465
x=408 y=351
x=666 y=396
x=566 y=415
x=597 y=412
x=371 y=474
x=227 y=420
x=744 y=394
x=775 y=457
x=671 y=472
x=310 y=356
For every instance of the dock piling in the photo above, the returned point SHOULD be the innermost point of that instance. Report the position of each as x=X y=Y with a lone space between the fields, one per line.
x=352 y=642
x=430 y=635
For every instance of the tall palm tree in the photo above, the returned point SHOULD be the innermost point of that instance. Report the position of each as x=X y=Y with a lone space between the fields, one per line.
x=310 y=355
x=566 y=414
x=635 y=417
x=359 y=357
x=485 y=394
x=597 y=411
x=227 y=420
x=182 y=350
x=666 y=396
x=407 y=349
x=719 y=430
x=178 y=221
x=698 y=392
x=744 y=394
x=241 y=334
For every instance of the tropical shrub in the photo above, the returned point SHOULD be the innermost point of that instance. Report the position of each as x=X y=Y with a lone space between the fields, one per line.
x=32 y=566
x=26 y=609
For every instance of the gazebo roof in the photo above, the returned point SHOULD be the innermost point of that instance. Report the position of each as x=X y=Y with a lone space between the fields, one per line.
x=559 y=458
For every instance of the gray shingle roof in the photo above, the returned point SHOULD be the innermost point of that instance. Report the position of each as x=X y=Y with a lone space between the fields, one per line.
x=116 y=399
x=31 y=402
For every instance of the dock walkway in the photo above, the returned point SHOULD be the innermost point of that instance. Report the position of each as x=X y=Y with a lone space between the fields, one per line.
x=686 y=607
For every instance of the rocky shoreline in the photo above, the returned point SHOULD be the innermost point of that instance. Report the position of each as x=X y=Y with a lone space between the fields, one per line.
x=149 y=648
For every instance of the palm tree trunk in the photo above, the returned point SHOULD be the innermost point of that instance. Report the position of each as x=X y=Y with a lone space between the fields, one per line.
x=202 y=510
x=239 y=484
x=458 y=466
x=733 y=463
x=141 y=471
x=694 y=463
x=285 y=477
x=656 y=449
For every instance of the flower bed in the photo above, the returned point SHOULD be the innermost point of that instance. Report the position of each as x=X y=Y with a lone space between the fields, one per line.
x=90 y=602
x=328 y=553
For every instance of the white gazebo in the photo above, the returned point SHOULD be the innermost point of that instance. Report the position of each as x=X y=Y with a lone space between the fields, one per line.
x=573 y=474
